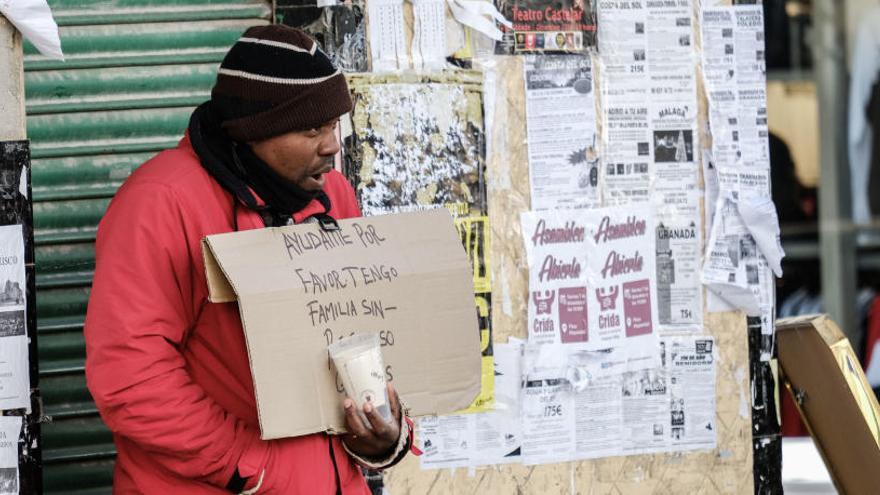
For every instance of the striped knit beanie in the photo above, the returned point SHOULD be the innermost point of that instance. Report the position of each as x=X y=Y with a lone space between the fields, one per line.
x=275 y=79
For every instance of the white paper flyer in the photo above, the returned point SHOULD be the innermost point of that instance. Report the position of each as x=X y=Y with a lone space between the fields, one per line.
x=561 y=127
x=592 y=280
x=10 y=429
x=14 y=377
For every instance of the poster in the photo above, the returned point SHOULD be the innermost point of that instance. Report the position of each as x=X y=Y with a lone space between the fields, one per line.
x=626 y=131
x=14 y=378
x=485 y=438
x=567 y=416
x=592 y=280
x=406 y=153
x=10 y=429
x=561 y=132
x=541 y=26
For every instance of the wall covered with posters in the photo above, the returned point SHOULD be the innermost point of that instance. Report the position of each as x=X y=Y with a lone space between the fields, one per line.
x=605 y=163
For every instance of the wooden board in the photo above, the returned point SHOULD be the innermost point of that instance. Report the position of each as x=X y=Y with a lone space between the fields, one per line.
x=727 y=469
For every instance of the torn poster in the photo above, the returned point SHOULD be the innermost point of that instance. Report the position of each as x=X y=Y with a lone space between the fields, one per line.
x=14 y=377
x=409 y=152
x=547 y=26
x=406 y=152
x=387 y=38
x=592 y=280
x=568 y=416
x=339 y=29
x=486 y=438
x=733 y=267
x=10 y=430
x=734 y=73
x=561 y=129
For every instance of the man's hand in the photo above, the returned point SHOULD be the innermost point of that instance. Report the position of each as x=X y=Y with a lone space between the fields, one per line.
x=378 y=442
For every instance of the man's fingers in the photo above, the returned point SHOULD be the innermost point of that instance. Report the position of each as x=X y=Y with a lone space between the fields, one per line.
x=395 y=401
x=353 y=420
x=380 y=426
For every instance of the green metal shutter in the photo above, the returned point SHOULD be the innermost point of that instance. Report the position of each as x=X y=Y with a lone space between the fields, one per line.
x=134 y=71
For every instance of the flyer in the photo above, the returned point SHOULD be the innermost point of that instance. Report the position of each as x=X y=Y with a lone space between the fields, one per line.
x=10 y=429
x=14 y=377
x=562 y=423
x=679 y=284
x=556 y=249
x=592 y=279
x=692 y=374
x=494 y=437
x=561 y=131
x=545 y=26
x=626 y=133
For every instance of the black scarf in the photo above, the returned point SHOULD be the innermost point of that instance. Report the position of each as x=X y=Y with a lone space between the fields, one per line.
x=235 y=166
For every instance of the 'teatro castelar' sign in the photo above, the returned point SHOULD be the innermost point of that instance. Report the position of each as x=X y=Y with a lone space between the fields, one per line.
x=404 y=277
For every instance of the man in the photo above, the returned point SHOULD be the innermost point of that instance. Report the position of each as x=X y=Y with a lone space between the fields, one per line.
x=168 y=370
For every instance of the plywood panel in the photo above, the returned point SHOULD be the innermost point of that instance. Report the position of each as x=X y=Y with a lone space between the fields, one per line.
x=727 y=469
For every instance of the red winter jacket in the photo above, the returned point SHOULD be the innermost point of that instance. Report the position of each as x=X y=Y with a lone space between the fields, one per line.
x=169 y=370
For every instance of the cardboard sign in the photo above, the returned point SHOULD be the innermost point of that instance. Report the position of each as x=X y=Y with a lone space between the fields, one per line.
x=834 y=399
x=405 y=277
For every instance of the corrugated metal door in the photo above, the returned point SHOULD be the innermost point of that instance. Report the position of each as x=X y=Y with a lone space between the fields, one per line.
x=134 y=71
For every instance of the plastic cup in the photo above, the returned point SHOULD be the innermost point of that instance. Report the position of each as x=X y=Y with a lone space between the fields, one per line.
x=359 y=362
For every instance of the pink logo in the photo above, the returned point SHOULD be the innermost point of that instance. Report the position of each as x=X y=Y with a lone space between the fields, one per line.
x=607 y=297
x=543 y=304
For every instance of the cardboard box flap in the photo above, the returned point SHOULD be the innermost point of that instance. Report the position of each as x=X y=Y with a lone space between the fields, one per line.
x=405 y=277
x=834 y=399
x=219 y=289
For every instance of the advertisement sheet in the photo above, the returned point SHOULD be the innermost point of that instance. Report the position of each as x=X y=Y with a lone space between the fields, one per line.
x=545 y=26
x=14 y=378
x=626 y=133
x=561 y=131
x=10 y=428
x=592 y=280
x=679 y=286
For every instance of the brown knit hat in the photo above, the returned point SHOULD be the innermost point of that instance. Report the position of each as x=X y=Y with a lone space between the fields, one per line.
x=275 y=79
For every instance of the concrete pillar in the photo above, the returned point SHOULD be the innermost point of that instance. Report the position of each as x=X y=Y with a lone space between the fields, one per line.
x=12 y=116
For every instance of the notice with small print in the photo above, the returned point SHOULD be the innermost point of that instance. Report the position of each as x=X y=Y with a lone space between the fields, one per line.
x=10 y=428
x=14 y=378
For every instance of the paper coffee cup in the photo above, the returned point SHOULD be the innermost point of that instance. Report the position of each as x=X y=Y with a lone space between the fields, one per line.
x=359 y=362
